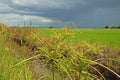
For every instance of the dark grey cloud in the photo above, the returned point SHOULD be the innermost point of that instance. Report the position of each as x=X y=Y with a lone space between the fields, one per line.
x=85 y=13
x=104 y=3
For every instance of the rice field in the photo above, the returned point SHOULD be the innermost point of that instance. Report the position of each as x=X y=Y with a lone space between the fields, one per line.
x=108 y=37
x=59 y=54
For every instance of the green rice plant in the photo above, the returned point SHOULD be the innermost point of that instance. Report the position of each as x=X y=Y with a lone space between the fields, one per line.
x=109 y=37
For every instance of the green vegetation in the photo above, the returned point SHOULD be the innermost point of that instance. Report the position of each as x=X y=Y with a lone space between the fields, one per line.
x=112 y=27
x=108 y=37
x=8 y=59
x=27 y=55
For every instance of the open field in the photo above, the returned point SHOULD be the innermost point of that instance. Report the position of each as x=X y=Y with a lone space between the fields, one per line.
x=108 y=37
x=38 y=54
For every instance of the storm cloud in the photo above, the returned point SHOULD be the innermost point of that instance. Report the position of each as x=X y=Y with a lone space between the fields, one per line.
x=83 y=13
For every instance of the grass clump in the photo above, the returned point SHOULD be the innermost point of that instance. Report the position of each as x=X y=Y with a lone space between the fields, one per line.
x=8 y=59
x=67 y=59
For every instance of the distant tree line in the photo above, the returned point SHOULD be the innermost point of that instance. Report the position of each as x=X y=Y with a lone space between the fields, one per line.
x=51 y=27
x=112 y=27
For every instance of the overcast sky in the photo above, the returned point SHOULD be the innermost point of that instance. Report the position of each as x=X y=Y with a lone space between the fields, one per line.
x=82 y=13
